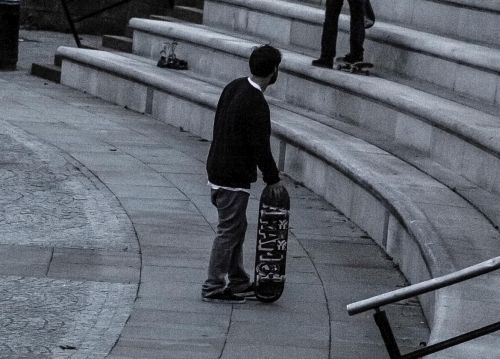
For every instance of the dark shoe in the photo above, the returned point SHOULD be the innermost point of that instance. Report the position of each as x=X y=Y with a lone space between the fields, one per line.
x=349 y=58
x=245 y=292
x=223 y=297
x=321 y=62
x=172 y=63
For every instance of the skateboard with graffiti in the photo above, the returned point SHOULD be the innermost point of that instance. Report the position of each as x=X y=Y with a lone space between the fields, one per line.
x=272 y=240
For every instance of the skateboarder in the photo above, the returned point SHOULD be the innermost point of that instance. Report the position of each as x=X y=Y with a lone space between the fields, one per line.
x=359 y=9
x=240 y=145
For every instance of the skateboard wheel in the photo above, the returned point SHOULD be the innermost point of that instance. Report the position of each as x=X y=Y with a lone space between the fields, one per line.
x=339 y=67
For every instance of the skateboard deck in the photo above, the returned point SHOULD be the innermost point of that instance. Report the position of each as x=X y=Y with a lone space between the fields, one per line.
x=272 y=240
x=354 y=68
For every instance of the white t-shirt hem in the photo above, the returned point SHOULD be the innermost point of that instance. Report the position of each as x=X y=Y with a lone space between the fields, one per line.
x=234 y=189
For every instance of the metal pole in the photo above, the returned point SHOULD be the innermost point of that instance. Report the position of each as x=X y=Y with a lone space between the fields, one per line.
x=452 y=342
x=71 y=23
x=97 y=12
x=9 y=34
x=424 y=287
x=387 y=334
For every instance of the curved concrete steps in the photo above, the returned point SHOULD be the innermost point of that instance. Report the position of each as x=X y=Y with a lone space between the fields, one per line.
x=458 y=137
x=471 y=20
x=468 y=69
x=486 y=202
x=414 y=218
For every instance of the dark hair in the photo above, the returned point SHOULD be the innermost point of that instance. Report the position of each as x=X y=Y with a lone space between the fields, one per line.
x=264 y=60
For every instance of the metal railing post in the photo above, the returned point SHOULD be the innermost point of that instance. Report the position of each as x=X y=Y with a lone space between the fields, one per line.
x=71 y=23
x=387 y=334
x=419 y=289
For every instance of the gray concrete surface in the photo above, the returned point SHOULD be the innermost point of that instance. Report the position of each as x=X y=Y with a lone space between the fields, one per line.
x=93 y=171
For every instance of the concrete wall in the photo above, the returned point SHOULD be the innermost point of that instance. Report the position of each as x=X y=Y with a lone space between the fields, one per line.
x=49 y=15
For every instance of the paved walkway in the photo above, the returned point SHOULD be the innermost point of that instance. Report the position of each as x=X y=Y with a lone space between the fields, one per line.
x=106 y=235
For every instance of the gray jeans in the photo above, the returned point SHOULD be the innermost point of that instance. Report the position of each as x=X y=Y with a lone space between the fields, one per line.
x=227 y=251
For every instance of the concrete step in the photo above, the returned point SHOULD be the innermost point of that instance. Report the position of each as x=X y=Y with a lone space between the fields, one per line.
x=468 y=20
x=190 y=3
x=427 y=228
x=189 y=14
x=458 y=137
x=468 y=69
x=119 y=43
x=47 y=71
x=486 y=202
x=471 y=20
x=164 y=18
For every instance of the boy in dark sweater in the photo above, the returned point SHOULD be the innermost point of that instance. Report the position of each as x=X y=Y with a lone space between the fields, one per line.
x=241 y=143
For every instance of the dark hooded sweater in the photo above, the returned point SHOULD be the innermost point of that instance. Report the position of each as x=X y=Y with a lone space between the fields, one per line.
x=241 y=138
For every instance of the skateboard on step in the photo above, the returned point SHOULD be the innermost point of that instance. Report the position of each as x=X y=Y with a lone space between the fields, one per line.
x=272 y=241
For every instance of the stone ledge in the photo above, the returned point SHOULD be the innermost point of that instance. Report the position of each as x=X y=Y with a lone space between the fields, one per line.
x=485 y=5
x=443 y=113
x=408 y=116
x=492 y=5
x=418 y=41
x=443 y=17
x=359 y=178
x=451 y=64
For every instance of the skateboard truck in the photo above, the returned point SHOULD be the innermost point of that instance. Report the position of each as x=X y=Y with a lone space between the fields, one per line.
x=171 y=62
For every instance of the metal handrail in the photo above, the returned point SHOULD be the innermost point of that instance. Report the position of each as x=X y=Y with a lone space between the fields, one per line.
x=418 y=289
x=424 y=287
x=72 y=21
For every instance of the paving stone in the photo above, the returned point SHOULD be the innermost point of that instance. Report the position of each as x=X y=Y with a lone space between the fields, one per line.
x=185 y=305
x=190 y=184
x=338 y=274
x=40 y=315
x=54 y=204
x=241 y=351
x=25 y=270
x=25 y=255
x=96 y=257
x=102 y=273
x=159 y=353
x=147 y=192
x=276 y=334
x=123 y=177
x=253 y=315
x=145 y=206
x=173 y=274
x=177 y=168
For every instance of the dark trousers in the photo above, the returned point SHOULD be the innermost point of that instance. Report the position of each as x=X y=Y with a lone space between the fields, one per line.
x=226 y=257
x=331 y=24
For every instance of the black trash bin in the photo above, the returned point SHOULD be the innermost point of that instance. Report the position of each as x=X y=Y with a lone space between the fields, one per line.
x=9 y=33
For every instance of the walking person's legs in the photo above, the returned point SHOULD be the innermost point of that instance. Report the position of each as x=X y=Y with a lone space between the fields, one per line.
x=329 y=34
x=357 y=35
x=237 y=276
x=228 y=243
